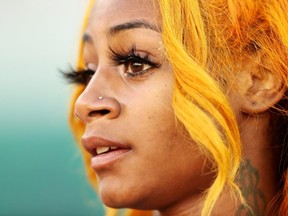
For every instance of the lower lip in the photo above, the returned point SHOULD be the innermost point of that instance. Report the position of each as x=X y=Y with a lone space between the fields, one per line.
x=105 y=160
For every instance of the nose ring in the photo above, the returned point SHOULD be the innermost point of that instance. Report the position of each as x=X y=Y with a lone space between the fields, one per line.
x=100 y=98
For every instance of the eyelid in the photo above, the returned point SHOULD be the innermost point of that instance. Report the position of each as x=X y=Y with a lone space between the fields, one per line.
x=122 y=56
x=91 y=66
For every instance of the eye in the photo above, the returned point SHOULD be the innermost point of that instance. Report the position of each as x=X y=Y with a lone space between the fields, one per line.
x=135 y=66
x=133 y=63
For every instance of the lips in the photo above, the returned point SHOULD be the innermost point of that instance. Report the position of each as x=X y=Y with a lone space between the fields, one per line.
x=104 y=152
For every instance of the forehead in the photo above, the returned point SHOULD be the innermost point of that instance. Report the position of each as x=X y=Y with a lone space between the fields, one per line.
x=107 y=13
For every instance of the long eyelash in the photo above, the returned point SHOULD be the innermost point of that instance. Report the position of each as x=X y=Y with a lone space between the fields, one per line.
x=81 y=77
x=123 y=57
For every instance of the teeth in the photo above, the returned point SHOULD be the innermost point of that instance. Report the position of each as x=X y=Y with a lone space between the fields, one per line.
x=101 y=150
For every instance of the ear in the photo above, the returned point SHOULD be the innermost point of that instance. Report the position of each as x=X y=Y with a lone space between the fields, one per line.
x=259 y=88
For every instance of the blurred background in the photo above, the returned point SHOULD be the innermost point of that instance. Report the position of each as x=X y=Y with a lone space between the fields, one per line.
x=41 y=170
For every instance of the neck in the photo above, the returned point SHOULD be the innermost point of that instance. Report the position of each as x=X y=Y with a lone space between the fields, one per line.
x=258 y=176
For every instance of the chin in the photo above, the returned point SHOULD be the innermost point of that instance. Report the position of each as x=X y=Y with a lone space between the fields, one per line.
x=115 y=197
x=124 y=198
x=114 y=200
x=120 y=201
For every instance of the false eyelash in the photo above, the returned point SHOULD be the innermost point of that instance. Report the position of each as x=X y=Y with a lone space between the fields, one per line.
x=81 y=77
x=123 y=57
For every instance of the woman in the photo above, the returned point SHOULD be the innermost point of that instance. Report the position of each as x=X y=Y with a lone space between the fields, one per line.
x=181 y=106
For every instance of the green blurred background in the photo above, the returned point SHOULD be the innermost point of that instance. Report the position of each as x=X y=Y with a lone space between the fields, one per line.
x=41 y=170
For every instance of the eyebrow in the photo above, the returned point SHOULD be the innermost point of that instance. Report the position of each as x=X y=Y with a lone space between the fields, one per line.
x=132 y=25
x=126 y=26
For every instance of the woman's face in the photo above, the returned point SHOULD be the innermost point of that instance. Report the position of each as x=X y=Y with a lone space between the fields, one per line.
x=126 y=106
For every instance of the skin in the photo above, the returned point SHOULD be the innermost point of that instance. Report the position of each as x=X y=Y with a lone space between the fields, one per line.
x=164 y=170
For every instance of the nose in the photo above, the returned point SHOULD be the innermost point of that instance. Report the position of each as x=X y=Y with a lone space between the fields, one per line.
x=88 y=109
x=89 y=106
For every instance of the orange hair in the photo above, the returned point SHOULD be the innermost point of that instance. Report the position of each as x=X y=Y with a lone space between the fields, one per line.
x=203 y=41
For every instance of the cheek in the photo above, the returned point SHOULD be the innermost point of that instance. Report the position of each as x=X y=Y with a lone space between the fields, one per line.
x=166 y=153
x=169 y=152
x=157 y=125
x=149 y=109
x=162 y=156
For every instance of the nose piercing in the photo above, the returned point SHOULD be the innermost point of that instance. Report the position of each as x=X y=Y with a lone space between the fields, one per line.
x=100 y=98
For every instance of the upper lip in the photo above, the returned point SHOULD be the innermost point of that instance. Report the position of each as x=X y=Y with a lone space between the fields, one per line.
x=91 y=143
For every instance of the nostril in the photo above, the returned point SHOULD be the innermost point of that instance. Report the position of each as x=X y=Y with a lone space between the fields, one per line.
x=99 y=113
x=104 y=112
